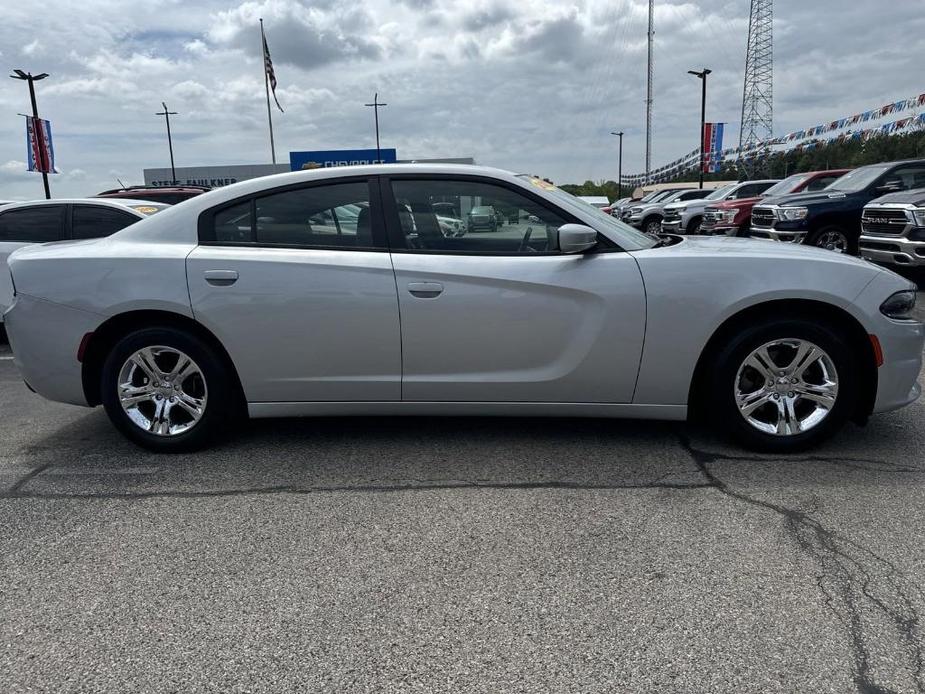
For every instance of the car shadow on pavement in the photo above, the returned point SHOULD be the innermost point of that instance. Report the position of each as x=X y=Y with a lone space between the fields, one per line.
x=87 y=457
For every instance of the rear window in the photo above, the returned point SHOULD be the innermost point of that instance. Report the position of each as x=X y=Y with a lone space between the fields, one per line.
x=33 y=224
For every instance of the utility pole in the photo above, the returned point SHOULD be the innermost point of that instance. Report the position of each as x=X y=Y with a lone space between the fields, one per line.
x=619 y=166
x=167 y=114
x=702 y=75
x=31 y=79
x=650 y=72
x=376 y=105
x=757 y=125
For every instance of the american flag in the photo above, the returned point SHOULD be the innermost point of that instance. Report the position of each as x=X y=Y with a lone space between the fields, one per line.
x=268 y=67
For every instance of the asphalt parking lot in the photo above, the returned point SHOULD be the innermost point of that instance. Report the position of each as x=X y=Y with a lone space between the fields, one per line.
x=468 y=555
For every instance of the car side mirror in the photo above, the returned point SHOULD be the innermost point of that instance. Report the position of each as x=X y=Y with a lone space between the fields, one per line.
x=576 y=238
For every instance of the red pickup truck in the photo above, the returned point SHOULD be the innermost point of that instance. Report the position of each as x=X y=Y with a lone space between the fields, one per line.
x=734 y=217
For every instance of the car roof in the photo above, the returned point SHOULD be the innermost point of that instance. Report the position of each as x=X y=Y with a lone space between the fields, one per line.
x=125 y=204
x=166 y=189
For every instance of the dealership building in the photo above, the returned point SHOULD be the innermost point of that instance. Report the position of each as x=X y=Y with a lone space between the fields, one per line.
x=218 y=176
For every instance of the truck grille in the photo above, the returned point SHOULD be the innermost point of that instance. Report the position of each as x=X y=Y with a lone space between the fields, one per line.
x=672 y=215
x=712 y=216
x=762 y=218
x=884 y=222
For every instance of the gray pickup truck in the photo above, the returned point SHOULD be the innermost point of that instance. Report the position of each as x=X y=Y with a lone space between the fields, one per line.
x=893 y=229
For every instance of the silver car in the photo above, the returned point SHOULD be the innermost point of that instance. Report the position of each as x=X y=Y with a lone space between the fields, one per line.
x=42 y=221
x=237 y=303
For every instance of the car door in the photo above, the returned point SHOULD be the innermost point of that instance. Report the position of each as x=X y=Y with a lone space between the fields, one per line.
x=503 y=316
x=21 y=226
x=306 y=308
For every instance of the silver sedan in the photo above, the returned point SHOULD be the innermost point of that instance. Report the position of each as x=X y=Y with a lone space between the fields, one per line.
x=336 y=292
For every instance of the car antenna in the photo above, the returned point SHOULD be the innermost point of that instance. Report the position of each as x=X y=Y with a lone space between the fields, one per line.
x=121 y=184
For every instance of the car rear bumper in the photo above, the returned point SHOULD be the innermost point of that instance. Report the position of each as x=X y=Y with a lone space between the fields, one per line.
x=45 y=337
x=893 y=250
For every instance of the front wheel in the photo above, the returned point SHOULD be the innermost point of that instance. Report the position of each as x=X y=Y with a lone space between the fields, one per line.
x=833 y=238
x=784 y=386
x=652 y=226
x=694 y=227
x=167 y=390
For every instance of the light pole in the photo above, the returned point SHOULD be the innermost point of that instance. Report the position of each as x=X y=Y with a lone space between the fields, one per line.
x=376 y=105
x=702 y=75
x=167 y=114
x=31 y=79
x=619 y=166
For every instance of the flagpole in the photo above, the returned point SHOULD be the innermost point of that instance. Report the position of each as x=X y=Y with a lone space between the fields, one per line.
x=266 y=84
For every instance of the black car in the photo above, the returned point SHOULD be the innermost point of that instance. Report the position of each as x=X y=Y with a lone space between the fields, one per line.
x=831 y=218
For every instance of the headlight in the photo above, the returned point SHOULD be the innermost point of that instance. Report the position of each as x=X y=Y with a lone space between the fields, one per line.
x=919 y=216
x=900 y=305
x=635 y=210
x=730 y=215
x=792 y=214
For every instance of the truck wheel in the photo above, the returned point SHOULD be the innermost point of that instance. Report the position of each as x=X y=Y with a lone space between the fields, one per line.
x=833 y=238
x=693 y=228
x=652 y=225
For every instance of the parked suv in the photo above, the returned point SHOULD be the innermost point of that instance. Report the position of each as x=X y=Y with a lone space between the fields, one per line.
x=686 y=217
x=648 y=217
x=169 y=195
x=733 y=217
x=24 y=223
x=831 y=218
x=893 y=229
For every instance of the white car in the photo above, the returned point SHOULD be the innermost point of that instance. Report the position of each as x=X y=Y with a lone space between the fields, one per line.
x=234 y=303
x=41 y=221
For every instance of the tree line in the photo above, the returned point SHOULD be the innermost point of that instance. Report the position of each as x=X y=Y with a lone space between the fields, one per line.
x=833 y=154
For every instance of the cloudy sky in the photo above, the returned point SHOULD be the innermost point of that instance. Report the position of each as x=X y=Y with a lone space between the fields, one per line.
x=521 y=84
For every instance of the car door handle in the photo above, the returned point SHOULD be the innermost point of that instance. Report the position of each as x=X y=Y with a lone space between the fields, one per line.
x=221 y=278
x=425 y=290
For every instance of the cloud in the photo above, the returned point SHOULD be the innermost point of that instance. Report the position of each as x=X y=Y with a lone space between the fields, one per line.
x=530 y=85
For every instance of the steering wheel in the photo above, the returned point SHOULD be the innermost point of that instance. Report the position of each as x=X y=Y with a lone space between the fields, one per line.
x=523 y=244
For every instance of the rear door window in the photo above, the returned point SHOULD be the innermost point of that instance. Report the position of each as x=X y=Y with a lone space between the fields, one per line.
x=37 y=224
x=91 y=222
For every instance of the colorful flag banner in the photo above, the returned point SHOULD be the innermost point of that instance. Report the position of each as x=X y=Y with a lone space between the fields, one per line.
x=40 y=149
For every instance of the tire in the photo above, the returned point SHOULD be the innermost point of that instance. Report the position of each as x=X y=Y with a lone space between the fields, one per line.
x=652 y=225
x=733 y=379
x=833 y=238
x=693 y=227
x=207 y=384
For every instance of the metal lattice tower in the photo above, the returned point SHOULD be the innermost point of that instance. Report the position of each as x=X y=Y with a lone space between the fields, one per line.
x=650 y=35
x=757 y=96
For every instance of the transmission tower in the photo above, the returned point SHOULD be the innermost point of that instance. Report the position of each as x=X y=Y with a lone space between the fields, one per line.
x=758 y=94
x=651 y=36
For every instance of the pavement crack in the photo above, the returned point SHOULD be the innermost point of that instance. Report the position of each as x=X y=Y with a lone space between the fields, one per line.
x=853 y=580
x=420 y=485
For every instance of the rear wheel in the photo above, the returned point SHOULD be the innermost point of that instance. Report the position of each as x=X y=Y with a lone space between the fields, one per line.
x=167 y=390
x=784 y=386
x=833 y=238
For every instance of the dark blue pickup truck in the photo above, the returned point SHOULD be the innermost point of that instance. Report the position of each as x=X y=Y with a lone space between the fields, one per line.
x=831 y=218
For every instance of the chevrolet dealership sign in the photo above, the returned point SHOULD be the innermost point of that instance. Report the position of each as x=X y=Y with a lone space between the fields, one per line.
x=323 y=159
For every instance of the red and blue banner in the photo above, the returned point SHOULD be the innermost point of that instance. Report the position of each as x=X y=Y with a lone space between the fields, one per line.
x=40 y=149
x=712 y=147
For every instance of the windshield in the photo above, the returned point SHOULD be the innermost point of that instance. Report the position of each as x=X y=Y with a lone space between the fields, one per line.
x=629 y=238
x=788 y=185
x=720 y=193
x=858 y=179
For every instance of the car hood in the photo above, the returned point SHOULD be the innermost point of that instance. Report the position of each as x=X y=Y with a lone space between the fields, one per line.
x=906 y=197
x=731 y=247
x=813 y=198
x=729 y=204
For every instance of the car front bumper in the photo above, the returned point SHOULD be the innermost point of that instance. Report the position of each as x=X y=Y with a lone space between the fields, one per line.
x=893 y=250
x=774 y=234
x=671 y=227
x=45 y=338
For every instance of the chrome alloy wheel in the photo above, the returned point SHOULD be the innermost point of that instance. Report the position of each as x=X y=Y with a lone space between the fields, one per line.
x=162 y=391
x=833 y=241
x=786 y=387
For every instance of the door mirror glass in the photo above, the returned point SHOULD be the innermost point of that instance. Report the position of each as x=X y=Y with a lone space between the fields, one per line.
x=575 y=238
